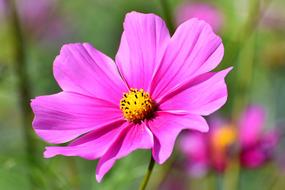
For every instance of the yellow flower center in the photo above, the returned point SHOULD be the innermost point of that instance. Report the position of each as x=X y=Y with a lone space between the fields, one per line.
x=136 y=105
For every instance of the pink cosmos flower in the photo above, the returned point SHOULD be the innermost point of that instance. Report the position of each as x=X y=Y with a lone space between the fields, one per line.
x=157 y=86
x=214 y=150
x=205 y=12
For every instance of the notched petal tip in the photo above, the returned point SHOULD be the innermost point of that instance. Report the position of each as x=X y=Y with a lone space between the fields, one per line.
x=225 y=72
x=229 y=69
x=71 y=45
x=103 y=167
x=202 y=22
x=34 y=103
x=48 y=153
x=158 y=160
x=64 y=48
x=32 y=100
x=98 y=178
x=135 y=13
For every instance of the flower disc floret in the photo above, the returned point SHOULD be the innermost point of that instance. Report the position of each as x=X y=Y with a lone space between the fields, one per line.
x=136 y=105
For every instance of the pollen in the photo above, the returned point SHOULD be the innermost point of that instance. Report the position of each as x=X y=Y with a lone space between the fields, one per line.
x=136 y=105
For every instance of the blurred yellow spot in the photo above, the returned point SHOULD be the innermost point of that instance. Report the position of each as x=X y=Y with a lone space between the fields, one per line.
x=223 y=137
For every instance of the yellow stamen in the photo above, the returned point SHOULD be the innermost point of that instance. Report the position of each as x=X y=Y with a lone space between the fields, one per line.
x=136 y=105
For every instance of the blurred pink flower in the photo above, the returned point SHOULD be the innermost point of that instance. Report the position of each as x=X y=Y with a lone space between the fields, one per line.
x=2 y=9
x=208 y=151
x=195 y=146
x=42 y=20
x=214 y=149
x=222 y=138
x=36 y=15
x=202 y=11
x=39 y=18
x=157 y=86
x=256 y=145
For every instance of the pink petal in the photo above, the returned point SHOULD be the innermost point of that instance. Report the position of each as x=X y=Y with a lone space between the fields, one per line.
x=83 y=69
x=203 y=95
x=90 y=146
x=166 y=127
x=131 y=138
x=193 y=50
x=142 y=46
x=251 y=125
x=64 y=116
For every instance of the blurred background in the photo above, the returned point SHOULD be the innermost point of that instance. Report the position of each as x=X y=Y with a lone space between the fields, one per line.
x=244 y=148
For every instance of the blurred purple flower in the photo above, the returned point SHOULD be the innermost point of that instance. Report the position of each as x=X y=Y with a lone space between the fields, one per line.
x=195 y=147
x=208 y=151
x=274 y=18
x=215 y=149
x=202 y=11
x=39 y=18
x=2 y=9
x=255 y=144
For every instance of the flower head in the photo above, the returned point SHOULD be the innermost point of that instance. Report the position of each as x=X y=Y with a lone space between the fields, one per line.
x=216 y=147
x=256 y=145
x=157 y=86
x=208 y=151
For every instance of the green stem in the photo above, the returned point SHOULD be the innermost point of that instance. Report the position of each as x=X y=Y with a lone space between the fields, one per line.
x=167 y=15
x=147 y=175
x=23 y=84
x=166 y=170
x=219 y=181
